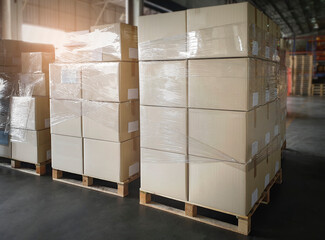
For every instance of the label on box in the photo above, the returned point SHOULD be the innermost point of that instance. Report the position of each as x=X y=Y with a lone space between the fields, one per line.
x=47 y=123
x=255 y=48
x=48 y=154
x=254 y=148
x=133 y=169
x=97 y=54
x=133 y=53
x=276 y=130
x=267 y=180
x=267 y=138
x=254 y=197
x=267 y=96
x=133 y=126
x=267 y=52
x=70 y=76
x=277 y=166
x=133 y=93
x=255 y=99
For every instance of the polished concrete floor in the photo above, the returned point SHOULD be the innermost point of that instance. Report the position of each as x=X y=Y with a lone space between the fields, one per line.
x=34 y=207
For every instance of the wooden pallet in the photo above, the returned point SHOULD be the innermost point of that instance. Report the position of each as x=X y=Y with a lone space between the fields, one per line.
x=190 y=209
x=39 y=170
x=122 y=189
x=318 y=89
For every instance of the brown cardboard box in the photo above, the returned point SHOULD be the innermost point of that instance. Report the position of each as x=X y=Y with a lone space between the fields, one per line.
x=32 y=113
x=228 y=186
x=114 y=42
x=232 y=30
x=111 y=161
x=34 y=84
x=36 y=62
x=164 y=173
x=163 y=83
x=65 y=81
x=164 y=128
x=67 y=153
x=111 y=81
x=35 y=148
x=230 y=84
x=116 y=122
x=226 y=135
x=166 y=42
x=66 y=117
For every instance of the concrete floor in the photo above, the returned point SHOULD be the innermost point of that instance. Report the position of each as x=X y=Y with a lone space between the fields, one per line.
x=34 y=207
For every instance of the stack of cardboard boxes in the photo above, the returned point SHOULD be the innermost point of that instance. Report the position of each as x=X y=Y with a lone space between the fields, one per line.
x=209 y=109
x=95 y=107
x=30 y=110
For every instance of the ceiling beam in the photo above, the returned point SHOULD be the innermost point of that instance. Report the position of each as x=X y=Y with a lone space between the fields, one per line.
x=294 y=15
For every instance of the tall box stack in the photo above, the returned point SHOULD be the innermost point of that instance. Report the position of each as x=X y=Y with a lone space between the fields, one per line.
x=209 y=108
x=282 y=92
x=95 y=106
x=30 y=110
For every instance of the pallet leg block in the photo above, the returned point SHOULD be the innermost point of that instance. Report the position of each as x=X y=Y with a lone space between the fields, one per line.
x=145 y=197
x=266 y=199
x=15 y=164
x=279 y=179
x=244 y=225
x=41 y=169
x=122 y=189
x=87 y=181
x=56 y=174
x=190 y=210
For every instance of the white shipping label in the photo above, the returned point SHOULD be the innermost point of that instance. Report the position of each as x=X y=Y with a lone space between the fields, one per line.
x=133 y=169
x=267 y=180
x=48 y=154
x=133 y=93
x=255 y=99
x=254 y=197
x=97 y=55
x=133 y=126
x=276 y=130
x=47 y=123
x=267 y=52
x=267 y=96
x=255 y=48
x=277 y=167
x=70 y=76
x=254 y=148
x=267 y=138
x=133 y=53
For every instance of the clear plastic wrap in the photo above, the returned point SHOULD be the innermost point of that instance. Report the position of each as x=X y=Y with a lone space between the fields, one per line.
x=36 y=62
x=113 y=42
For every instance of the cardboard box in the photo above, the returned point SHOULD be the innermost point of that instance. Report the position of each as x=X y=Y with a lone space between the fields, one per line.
x=116 y=122
x=65 y=81
x=35 y=148
x=111 y=161
x=5 y=145
x=32 y=113
x=67 y=153
x=164 y=128
x=163 y=83
x=166 y=42
x=232 y=30
x=226 y=135
x=114 y=42
x=111 y=81
x=36 y=62
x=66 y=117
x=164 y=173
x=227 y=186
x=34 y=84
x=230 y=84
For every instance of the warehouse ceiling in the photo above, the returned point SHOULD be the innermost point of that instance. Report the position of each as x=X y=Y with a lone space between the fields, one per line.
x=295 y=17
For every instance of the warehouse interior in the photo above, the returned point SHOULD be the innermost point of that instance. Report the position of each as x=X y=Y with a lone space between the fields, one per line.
x=174 y=127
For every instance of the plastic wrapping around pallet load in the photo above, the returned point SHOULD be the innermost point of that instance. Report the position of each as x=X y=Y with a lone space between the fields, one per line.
x=112 y=42
x=233 y=30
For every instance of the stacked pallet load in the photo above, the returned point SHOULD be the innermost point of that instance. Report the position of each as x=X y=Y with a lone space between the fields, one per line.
x=302 y=75
x=10 y=67
x=95 y=109
x=209 y=110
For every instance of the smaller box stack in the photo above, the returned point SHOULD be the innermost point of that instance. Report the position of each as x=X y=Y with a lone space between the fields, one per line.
x=95 y=107
x=30 y=110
